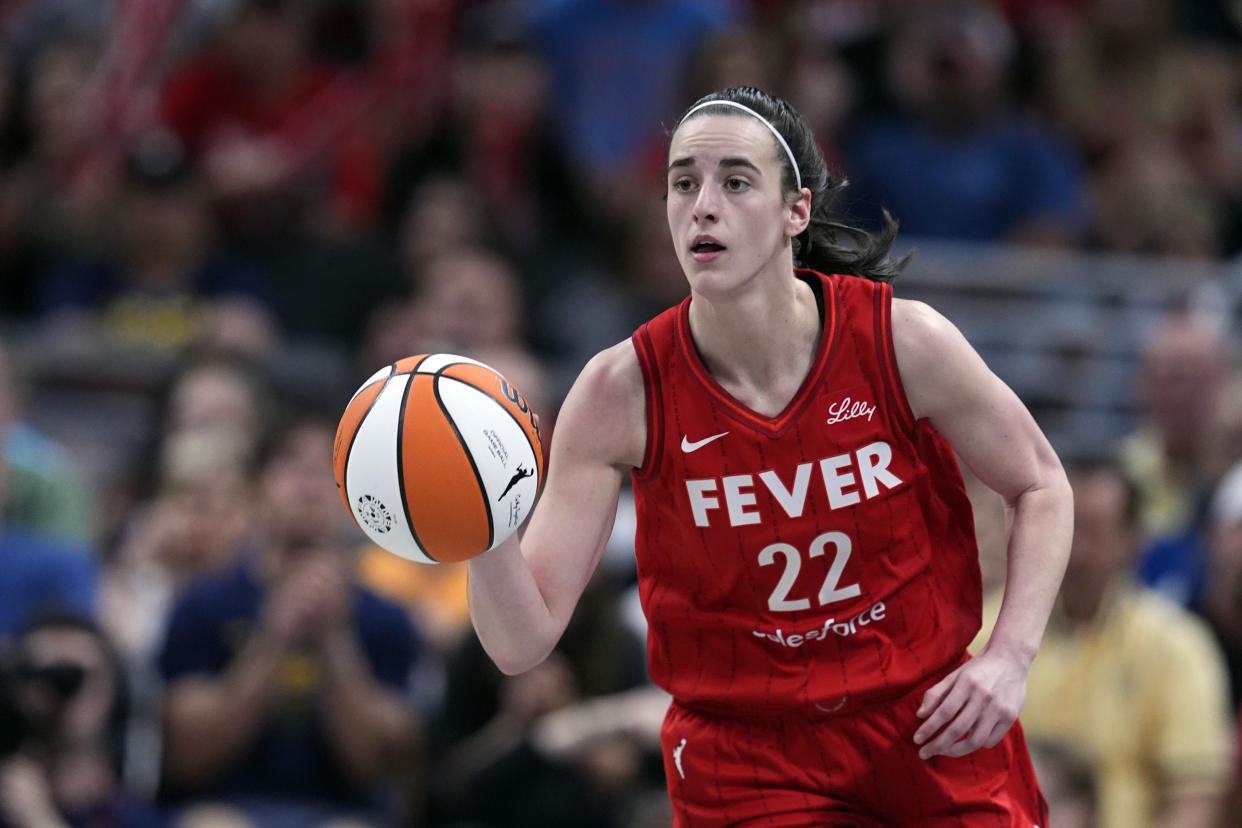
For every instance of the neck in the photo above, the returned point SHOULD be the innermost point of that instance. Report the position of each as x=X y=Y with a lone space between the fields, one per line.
x=760 y=342
x=1082 y=600
x=1081 y=606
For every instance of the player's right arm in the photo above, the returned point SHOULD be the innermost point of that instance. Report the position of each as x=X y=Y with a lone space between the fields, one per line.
x=522 y=595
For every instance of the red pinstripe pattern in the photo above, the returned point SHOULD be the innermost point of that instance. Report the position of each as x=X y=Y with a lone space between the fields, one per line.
x=726 y=633
x=860 y=770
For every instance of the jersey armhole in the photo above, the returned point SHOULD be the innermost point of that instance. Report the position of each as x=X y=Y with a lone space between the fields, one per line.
x=651 y=395
x=899 y=403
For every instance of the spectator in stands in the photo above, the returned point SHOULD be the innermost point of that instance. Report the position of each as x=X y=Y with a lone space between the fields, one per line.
x=1132 y=681
x=1183 y=370
x=273 y=129
x=956 y=161
x=207 y=398
x=166 y=286
x=468 y=301
x=188 y=511
x=498 y=138
x=53 y=198
x=221 y=395
x=38 y=574
x=197 y=523
x=1177 y=566
x=285 y=679
x=1129 y=217
x=605 y=97
x=1155 y=115
x=47 y=493
x=442 y=216
x=65 y=711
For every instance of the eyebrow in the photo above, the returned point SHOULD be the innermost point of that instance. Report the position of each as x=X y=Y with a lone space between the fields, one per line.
x=722 y=164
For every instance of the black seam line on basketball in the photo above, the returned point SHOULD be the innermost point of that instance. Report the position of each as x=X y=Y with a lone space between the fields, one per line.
x=353 y=438
x=535 y=452
x=461 y=441
x=405 y=506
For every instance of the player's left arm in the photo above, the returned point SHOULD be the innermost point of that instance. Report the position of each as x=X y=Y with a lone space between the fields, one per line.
x=993 y=433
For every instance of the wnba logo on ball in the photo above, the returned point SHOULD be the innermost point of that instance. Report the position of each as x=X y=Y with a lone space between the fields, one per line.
x=374 y=513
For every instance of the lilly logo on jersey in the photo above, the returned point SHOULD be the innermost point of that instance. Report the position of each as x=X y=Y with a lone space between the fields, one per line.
x=847 y=409
x=847 y=479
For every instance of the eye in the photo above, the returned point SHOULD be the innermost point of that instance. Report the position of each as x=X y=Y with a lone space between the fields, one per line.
x=683 y=184
x=736 y=185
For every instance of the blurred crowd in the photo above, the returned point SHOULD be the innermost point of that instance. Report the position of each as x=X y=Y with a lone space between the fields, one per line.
x=218 y=216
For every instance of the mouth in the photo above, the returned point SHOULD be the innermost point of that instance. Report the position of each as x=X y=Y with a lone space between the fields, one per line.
x=704 y=250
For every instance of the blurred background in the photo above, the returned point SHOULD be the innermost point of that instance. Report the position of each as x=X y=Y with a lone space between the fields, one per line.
x=218 y=216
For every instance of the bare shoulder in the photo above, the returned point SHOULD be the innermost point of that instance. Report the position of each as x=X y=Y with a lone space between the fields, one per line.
x=920 y=330
x=936 y=363
x=604 y=415
x=613 y=374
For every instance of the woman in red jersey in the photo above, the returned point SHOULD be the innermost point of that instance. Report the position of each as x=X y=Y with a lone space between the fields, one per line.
x=806 y=556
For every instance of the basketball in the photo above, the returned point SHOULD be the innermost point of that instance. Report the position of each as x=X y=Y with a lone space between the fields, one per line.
x=438 y=458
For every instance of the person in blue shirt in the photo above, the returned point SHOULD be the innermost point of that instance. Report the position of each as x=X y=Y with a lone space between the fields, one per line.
x=286 y=680
x=615 y=66
x=39 y=574
x=954 y=160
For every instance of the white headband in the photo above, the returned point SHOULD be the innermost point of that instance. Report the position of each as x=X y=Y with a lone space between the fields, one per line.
x=780 y=139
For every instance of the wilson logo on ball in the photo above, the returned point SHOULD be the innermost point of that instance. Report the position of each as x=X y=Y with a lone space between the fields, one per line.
x=438 y=458
x=512 y=395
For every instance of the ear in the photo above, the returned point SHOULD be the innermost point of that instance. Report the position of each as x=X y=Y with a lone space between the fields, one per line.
x=799 y=214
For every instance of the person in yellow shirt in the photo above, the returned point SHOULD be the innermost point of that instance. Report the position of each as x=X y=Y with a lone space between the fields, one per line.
x=1134 y=683
x=1183 y=371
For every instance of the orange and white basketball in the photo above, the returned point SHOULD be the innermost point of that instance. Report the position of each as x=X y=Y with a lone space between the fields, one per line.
x=438 y=458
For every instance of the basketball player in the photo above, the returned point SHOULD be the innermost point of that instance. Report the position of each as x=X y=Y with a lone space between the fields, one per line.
x=805 y=550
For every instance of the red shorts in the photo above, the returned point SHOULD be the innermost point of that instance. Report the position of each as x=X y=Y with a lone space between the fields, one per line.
x=858 y=769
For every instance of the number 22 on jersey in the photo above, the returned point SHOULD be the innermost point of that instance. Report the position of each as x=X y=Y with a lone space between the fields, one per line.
x=830 y=591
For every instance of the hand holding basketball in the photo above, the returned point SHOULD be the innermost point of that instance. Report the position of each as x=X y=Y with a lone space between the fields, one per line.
x=438 y=458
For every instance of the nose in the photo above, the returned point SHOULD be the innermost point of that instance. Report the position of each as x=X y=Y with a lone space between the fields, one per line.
x=705 y=206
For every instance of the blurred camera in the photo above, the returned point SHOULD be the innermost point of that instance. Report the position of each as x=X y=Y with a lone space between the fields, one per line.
x=33 y=697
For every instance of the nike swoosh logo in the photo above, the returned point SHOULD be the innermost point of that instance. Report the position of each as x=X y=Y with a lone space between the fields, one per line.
x=688 y=446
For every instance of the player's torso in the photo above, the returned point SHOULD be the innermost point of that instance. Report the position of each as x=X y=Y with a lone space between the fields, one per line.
x=788 y=560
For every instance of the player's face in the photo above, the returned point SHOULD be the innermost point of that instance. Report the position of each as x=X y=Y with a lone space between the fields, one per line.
x=728 y=216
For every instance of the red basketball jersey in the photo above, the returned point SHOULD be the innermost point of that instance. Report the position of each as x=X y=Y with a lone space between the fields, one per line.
x=822 y=556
